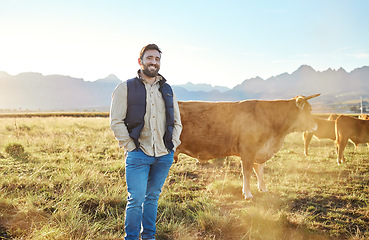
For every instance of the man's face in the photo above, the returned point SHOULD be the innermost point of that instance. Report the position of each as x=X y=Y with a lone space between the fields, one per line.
x=150 y=63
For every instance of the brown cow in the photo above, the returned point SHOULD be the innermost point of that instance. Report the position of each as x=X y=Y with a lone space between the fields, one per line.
x=350 y=128
x=253 y=130
x=333 y=117
x=364 y=116
x=325 y=129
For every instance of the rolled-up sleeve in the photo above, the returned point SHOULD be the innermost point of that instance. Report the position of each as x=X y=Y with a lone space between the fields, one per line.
x=118 y=112
x=177 y=124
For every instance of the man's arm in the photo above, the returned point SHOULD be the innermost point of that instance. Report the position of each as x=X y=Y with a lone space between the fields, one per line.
x=118 y=112
x=177 y=124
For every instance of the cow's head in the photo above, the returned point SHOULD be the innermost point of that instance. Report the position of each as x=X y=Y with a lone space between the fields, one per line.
x=304 y=121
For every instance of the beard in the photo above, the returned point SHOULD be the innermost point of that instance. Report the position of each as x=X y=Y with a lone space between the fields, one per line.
x=149 y=71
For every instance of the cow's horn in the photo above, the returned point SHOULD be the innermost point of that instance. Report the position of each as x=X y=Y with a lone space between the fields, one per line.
x=312 y=96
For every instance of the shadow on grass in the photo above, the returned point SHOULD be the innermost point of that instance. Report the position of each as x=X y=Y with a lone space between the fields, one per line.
x=4 y=234
x=337 y=215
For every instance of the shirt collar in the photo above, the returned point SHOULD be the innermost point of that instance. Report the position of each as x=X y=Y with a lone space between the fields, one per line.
x=157 y=79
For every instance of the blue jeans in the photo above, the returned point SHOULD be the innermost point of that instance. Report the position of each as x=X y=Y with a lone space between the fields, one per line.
x=145 y=178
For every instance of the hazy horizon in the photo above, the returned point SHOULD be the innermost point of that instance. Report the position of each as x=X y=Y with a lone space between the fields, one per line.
x=185 y=83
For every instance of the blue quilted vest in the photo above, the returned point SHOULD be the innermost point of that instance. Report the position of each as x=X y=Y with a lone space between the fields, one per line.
x=136 y=109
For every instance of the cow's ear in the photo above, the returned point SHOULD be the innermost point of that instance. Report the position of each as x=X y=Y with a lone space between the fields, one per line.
x=300 y=102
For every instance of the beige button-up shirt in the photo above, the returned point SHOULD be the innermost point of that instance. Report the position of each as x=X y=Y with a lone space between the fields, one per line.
x=151 y=138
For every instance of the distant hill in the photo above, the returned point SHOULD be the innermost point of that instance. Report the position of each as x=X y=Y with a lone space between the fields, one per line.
x=203 y=87
x=36 y=92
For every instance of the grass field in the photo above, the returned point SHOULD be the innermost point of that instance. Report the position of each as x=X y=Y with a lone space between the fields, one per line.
x=64 y=178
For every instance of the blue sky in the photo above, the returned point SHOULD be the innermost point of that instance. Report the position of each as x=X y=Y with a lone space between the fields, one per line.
x=215 y=42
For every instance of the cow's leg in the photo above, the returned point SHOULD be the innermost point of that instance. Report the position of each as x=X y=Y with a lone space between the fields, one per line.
x=355 y=145
x=307 y=138
x=246 y=172
x=341 y=144
x=336 y=144
x=259 y=171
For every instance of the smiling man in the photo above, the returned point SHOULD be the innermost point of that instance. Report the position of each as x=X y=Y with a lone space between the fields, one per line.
x=145 y=119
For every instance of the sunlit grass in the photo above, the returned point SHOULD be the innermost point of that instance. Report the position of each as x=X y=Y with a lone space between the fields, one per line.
x=69 y=183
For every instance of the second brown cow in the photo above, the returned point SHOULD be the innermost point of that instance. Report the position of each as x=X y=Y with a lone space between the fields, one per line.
x=325 y=129
x=350 y=128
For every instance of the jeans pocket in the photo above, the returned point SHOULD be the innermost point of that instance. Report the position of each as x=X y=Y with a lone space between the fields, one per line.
x=136 y=157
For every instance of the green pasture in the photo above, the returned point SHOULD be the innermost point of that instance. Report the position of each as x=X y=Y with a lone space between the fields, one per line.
x=64 y=178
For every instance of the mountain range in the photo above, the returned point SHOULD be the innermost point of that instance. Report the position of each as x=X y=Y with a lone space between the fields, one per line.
x=36 y=92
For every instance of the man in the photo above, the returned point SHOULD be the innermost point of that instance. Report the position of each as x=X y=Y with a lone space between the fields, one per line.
x=145 y=119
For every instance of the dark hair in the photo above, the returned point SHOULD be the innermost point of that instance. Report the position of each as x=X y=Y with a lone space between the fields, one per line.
x=149 y=47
